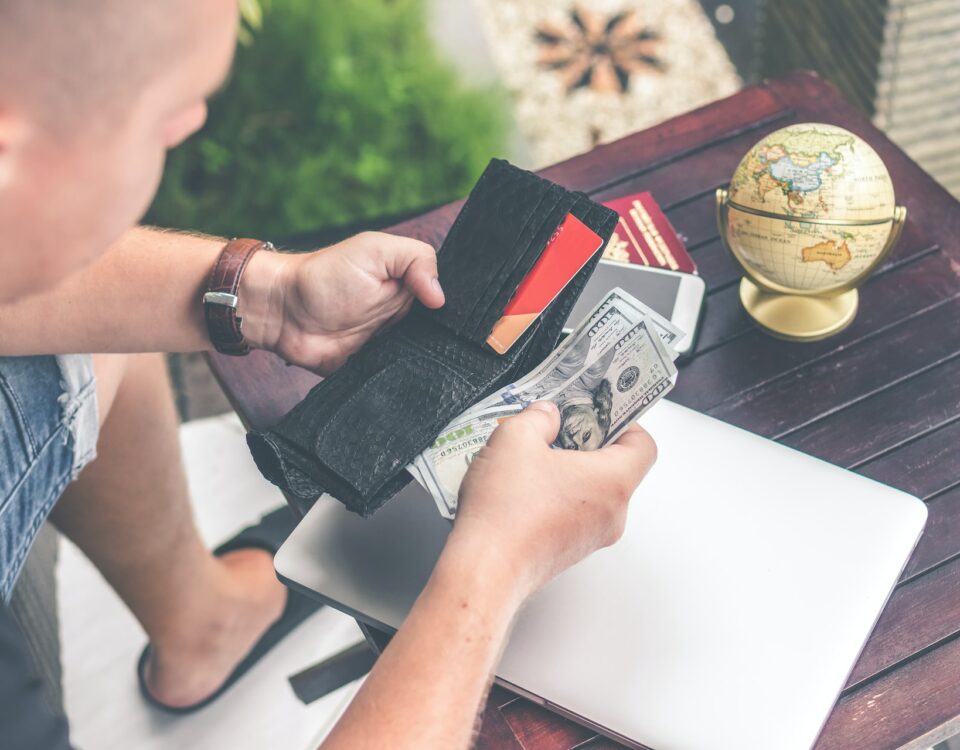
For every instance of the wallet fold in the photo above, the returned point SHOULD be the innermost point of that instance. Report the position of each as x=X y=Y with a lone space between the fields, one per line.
x=357 y=430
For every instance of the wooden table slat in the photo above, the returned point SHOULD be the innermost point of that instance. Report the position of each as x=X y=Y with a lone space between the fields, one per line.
x=724 y=330
x=500 y=696
x=848 y=375
x=495 y=731
x=623 y=160
x=537 y=727
x=716 y=266
x=921 y=612
x=724 y=321
x=755 y=358
x=671 y=186
x=914 y=706
x=922 y=467
x=888 y=419
x=939 y=541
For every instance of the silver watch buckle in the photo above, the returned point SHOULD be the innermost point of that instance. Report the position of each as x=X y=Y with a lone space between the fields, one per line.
x=220 y=298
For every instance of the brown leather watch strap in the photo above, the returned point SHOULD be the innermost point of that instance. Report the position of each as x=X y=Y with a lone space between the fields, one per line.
x=224 y=326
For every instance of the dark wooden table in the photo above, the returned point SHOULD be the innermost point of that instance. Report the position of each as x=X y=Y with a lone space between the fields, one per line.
x=882 y=398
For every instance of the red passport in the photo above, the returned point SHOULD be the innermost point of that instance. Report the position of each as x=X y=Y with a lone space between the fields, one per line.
x=645 y=236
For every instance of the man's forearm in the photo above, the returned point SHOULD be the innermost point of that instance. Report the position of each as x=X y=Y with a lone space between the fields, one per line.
x=427 y=687
x=142 y=295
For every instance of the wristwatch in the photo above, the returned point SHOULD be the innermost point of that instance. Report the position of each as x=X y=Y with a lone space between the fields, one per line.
x=224 y=326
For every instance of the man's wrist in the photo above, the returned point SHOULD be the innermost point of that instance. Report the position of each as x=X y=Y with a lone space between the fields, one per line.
x=261 y=298
x=471 y=565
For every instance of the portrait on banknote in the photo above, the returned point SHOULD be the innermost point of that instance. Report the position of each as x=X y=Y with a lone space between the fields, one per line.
x=583 y=395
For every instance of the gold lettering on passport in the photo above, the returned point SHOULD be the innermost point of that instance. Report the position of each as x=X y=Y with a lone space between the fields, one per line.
x=652 y=235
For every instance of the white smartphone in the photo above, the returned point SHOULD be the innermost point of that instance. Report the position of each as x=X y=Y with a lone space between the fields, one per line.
x=677 y=296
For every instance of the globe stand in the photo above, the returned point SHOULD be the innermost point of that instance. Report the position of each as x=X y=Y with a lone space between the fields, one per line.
x=801 y=316
x=796 y=317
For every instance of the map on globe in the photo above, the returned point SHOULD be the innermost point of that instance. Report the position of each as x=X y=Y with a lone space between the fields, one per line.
x=811 y=207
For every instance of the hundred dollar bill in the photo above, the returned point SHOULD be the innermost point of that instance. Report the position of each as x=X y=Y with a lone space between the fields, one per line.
x=632 y=310
x=639 y=374
x=669 y=334
x=607 y=373
x=606 y=380
x=442 y=466
x=616 y=314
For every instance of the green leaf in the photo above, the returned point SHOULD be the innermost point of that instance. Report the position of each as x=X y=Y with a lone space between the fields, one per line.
x=339 y=112
x=252 y=13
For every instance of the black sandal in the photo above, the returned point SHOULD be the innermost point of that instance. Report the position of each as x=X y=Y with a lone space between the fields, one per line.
x=268 y=534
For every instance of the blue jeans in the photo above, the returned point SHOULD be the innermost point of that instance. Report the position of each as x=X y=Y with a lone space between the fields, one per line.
x=48 y=433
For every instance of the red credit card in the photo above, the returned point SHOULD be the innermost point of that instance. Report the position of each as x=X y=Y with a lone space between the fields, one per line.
x=569 y=249
x=645 y=236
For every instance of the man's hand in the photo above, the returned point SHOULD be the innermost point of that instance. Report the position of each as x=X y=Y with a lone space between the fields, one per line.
x=143 y=295
x=539 y=510
x=317 y=309
x=526 y=512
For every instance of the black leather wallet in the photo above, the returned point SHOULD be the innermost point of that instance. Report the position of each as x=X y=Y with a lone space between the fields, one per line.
x=356 y=431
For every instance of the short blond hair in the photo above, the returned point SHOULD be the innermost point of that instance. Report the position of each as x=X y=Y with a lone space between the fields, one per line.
x=69 y=59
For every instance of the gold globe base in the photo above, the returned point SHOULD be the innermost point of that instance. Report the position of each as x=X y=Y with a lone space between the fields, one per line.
x=795 y=317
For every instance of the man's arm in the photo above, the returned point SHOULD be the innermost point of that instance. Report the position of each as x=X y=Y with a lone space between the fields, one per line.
x=144 y=295
x=427 y=687
x=526 y=513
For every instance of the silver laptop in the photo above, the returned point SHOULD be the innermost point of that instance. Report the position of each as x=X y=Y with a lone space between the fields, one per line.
x=746 y=584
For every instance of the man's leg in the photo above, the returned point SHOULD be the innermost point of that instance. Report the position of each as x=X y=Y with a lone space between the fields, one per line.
x=129 y=512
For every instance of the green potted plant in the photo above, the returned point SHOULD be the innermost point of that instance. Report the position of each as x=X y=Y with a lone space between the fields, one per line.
x=334 y=112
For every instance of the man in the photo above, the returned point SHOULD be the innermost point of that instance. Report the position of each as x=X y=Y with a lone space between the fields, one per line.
x=91 y=96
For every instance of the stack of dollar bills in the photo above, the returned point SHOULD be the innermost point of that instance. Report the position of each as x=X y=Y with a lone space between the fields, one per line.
x=606 y=373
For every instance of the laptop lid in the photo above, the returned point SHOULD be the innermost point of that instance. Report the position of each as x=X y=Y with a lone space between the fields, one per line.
x=729 y=616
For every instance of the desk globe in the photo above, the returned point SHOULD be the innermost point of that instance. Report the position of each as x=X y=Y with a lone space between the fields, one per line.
x=809 y=213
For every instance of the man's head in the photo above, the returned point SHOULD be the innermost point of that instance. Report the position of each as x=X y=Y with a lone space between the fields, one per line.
x=92 y=95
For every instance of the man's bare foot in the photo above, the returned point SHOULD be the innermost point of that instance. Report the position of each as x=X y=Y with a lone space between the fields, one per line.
x=246 y=599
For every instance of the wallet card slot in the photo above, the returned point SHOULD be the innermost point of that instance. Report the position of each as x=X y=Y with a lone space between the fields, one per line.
x=499 y=267
x=602 y=221
x=512 y=273
x=495 y=230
